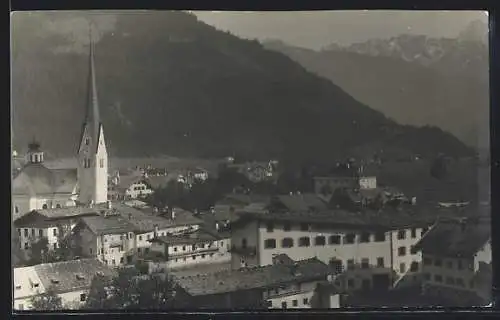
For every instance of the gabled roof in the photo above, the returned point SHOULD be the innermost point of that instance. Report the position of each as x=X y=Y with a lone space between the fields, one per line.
x=127 y=181
x=453 y=238
x=67 y=276
x=198 y=236
x=49 y=217
x=115 y=224
x=26 y=282
x=253 y=278
x=36 y=179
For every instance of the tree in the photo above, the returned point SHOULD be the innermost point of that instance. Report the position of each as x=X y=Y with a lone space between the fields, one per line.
x=48 y=300
x=39 y=251
x=129 y=290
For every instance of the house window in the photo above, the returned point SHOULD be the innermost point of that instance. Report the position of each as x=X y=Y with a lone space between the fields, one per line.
x=402 y=268
x=365 y=237
x=336 y=265
x=270 y=244
x=305 y=301
x=320 y=241
x=101 y=163
x=26 y=233
x=270 y=227
x=350 y=264
x=304 y=242
x=175 y=249
x=122 y=260
x=335 y=239
x=90 y=250
x=83 y=297
x=87 y=141
x=295 y=303
x=379 y=237
x=113 y=262
x=413 y=250
x=44 y=207
x=414 y=266
x=438 y=262
x=401 y=251
x=203 y=256
x=438 y=278
x=58 y=206
x=413 y=233
x=26 y=246
x=401 y=234
x=55 y=246
x=146 y=250
x=283 y=305
x=40 y=233
x=380 y=262
x=183 y=248
x=449 y=264
x=286 y=226
x=365 y=263
x=140 y=238
x=427 y=261
x=17 y=211
x=349 y=238
x=287 y=243
x=244 y=243
x=33 y=232
x=194 y=257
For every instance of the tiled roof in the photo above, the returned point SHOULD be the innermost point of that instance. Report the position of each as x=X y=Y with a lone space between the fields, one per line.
x=253 y=278
x=48 y=217
x=387 y=219
x=186 y=238
x=35 y=178
x=100 y=225
x=71 y=275
x=302 y=202
x=454 y=238
x=145 y=221
x=26 y=282
x=126 y=181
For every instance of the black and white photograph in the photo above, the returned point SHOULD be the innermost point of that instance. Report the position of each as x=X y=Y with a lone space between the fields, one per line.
x=249 y=160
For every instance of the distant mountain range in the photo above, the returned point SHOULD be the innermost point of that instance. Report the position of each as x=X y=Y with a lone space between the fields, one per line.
x=170 y=84
x=413 y=79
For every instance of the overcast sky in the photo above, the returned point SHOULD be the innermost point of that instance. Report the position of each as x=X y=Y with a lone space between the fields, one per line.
x=316 y=29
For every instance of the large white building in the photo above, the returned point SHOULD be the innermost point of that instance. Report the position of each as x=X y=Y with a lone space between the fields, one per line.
x=37 y=187
x=369 y=249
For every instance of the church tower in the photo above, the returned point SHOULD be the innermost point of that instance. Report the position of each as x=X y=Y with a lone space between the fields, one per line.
x=92 y=153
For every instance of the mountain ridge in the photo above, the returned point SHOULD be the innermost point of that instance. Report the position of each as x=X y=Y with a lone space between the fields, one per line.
x=170 y=84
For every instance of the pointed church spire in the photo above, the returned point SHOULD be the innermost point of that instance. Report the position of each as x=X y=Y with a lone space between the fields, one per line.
x=92 y=117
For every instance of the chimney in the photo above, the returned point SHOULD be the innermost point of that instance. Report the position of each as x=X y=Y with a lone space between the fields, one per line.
x=155 y=234
x=108 y=204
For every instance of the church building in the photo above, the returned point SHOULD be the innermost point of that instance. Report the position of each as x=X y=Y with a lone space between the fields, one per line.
x=37 y=187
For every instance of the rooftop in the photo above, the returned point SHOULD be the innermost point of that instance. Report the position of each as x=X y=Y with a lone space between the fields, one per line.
x=71 y=275
x=46 y=217
x=302 y=202
x=186 y=238
x=101 y=225
x=455 y=239
x=35 y=178
x=253 y=278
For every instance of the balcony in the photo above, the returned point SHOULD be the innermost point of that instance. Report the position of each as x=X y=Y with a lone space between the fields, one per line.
x=245 y=251
x=192 y=252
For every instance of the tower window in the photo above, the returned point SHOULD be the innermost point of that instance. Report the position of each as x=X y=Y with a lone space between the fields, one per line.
x=87 y=141
x=17 y=209
x=101 y=163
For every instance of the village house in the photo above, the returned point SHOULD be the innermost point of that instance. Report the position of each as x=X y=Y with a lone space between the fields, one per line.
x=372 y=249
x=121 y=236
x=457 y=261
x=285 y=284
x=70 y=280
x=189 y=249
x=129 y=187
x=256 y=171
x=52 y=224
